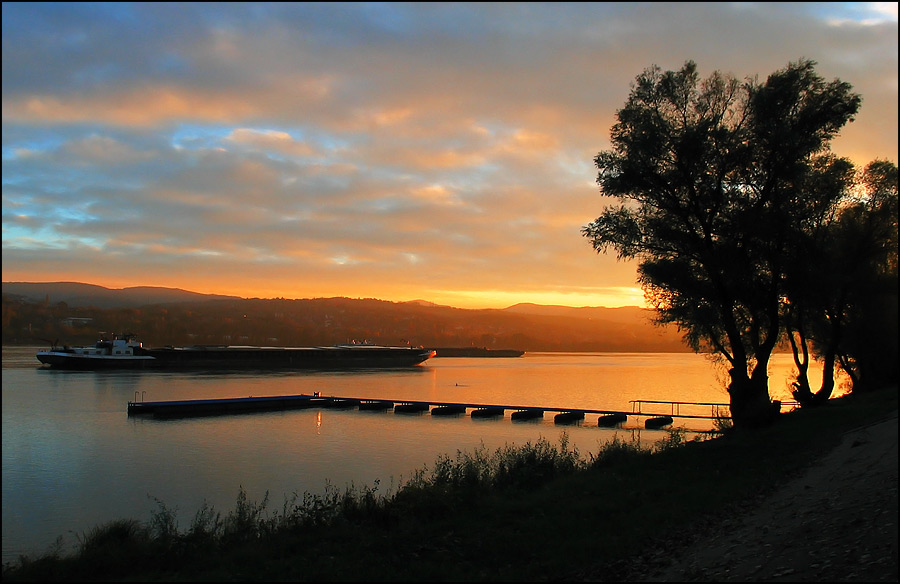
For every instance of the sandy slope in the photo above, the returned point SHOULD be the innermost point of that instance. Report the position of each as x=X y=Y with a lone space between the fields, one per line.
x=836 y=522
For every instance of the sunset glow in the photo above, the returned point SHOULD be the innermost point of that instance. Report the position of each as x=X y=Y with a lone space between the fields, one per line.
x=436 y=152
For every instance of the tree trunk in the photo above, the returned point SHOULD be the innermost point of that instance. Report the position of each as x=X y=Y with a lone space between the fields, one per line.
x=824 y=394
x=848 y=368
x=751 y=406
x=802 y=390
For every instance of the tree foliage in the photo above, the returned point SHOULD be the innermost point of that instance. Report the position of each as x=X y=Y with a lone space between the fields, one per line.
x=854 y=306
x=716 y=181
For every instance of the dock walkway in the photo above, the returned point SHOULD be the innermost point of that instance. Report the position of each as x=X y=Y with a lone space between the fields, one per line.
x=563 y=415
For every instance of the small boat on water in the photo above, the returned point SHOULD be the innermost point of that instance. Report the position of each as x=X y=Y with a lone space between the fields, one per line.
x=126 y=352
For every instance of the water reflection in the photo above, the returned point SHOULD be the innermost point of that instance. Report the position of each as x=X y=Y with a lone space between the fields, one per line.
x=72 y=458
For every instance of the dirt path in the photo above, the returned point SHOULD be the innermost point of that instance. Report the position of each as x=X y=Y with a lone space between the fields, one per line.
x=836 y=522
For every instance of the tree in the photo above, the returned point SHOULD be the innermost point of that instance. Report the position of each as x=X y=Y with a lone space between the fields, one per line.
x=817 y=280
x=866 y=237
x=711 y=180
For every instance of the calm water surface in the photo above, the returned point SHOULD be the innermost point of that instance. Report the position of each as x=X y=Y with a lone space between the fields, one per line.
x=73 y=459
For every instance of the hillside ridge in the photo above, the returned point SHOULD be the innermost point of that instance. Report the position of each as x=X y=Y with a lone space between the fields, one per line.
x=77 y=312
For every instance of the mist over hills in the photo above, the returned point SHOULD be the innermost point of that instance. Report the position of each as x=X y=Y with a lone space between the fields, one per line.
x=77 y=312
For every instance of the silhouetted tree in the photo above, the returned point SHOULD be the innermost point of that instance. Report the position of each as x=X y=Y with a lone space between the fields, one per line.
x=816 y=283
x=865 y=261
x=711 y=178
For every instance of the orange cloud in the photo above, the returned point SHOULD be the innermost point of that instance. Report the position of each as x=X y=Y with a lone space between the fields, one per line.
x=271 y=141
x=141 y=107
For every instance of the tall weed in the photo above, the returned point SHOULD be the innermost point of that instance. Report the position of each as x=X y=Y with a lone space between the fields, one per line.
x=243 y=524
x=163 y=522
x=618 y=451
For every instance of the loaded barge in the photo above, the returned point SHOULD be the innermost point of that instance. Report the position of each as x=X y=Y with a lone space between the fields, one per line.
x=126 y=352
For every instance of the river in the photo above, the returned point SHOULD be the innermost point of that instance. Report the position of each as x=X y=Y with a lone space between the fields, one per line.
x=73 y=458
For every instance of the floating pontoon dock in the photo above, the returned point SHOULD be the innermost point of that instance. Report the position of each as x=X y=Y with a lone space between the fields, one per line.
x=607 y=418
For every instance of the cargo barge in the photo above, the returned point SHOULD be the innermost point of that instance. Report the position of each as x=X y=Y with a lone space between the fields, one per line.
x=126 y=352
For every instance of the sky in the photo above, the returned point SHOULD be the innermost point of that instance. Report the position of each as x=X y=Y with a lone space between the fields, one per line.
x=399 y=151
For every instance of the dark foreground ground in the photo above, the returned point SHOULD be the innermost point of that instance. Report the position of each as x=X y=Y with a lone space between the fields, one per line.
x=837 y=521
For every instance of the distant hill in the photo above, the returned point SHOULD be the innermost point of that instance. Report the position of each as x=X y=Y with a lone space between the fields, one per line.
x=624 y=314
x=161 y=316
x=78 y=294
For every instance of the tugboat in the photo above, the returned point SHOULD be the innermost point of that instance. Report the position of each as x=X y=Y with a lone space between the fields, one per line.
x=126 y=352
x=122 y=352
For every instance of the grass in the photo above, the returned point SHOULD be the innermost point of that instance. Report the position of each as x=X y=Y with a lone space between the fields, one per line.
x=536 y=512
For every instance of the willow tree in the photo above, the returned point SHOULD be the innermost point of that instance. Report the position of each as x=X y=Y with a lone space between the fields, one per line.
x=862 y=329
x=710 y=177
x=818 y=279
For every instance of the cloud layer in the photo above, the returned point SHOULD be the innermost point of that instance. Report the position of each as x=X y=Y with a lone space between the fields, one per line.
x=397 y=151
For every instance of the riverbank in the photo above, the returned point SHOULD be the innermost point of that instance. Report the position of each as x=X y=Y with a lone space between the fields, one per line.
x=837 y=521
x=625 y=514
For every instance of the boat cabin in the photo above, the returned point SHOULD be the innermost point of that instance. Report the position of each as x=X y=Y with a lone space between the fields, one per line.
x=118 y=346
